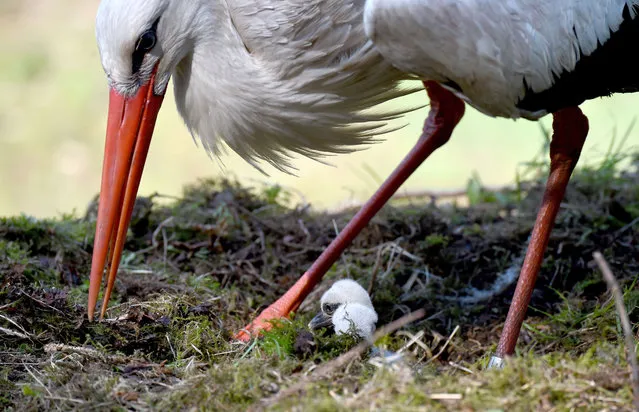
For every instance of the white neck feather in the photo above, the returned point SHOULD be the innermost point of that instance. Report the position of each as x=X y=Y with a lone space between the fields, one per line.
x=267 y=107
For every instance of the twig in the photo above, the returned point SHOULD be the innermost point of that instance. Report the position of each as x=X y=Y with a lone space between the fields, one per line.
x=168 y=339
x=20 y=363
x=445 y=345
x=8 y=305
x=72 y=400
x=461 y=368
x=615 y=290
x=24 y=335
x=154 y=239
x=328 y=368
x=42 y=303
x=13 y=333
x=86 y=352
x=37 y=380
x=621 y=231
x=446 y=396
x=626 y=227
x=259 y=220
x=414 y=339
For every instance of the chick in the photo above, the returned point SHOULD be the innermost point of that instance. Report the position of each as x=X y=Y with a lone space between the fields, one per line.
x=348 y=308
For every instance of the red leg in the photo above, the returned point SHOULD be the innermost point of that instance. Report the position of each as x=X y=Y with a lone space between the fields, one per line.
x=446 y=110
x=570 y=128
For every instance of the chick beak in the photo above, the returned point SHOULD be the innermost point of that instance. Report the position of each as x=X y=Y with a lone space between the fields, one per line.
x=321 y=320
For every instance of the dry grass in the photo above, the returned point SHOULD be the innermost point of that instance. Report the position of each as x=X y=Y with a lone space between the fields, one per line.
x=197 y=270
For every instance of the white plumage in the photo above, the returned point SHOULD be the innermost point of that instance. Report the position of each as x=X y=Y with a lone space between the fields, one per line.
x=273 y=77
x=355 y=318
x=490 y=48
x=348 y=308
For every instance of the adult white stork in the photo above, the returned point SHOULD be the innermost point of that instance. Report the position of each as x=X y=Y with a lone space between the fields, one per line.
x=273 y=77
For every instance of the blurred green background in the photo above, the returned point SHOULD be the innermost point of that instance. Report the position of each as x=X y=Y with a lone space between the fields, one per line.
x=53 y=101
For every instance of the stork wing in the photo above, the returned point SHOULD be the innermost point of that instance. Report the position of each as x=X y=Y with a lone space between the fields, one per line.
x=492 y=52
x=296 y=34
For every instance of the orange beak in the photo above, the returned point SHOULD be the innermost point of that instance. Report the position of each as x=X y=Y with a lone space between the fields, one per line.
x=129 y=130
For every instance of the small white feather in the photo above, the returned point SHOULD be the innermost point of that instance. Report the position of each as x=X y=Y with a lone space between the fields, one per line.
x=355 y=318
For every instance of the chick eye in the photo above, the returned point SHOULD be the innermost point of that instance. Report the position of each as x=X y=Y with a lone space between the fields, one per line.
x=146 y=42
x=330 y=308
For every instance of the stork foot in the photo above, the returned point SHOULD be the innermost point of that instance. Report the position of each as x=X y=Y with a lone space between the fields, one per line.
x=281 y=308
x=262 y=323
x=446 y=110
x=570 y=128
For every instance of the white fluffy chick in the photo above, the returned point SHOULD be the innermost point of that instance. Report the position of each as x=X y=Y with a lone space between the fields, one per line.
x=347 y=306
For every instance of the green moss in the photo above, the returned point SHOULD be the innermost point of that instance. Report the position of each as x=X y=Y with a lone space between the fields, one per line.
x=199 y=269
x=436 y=239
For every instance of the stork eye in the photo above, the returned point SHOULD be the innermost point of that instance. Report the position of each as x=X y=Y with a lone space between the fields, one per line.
x=330 y=308
x=146 y=42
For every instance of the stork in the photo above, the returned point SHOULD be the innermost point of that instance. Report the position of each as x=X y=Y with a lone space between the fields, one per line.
x=273 y=78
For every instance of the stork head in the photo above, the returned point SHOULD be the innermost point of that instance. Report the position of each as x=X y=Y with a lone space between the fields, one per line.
x=138 y=38
x=141 y=43
x=346 y=305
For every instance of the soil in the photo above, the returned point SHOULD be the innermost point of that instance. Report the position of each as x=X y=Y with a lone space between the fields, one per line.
x=198 y=268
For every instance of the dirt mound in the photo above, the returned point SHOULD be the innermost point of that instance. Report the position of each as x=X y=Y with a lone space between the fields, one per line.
x=197 y=269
